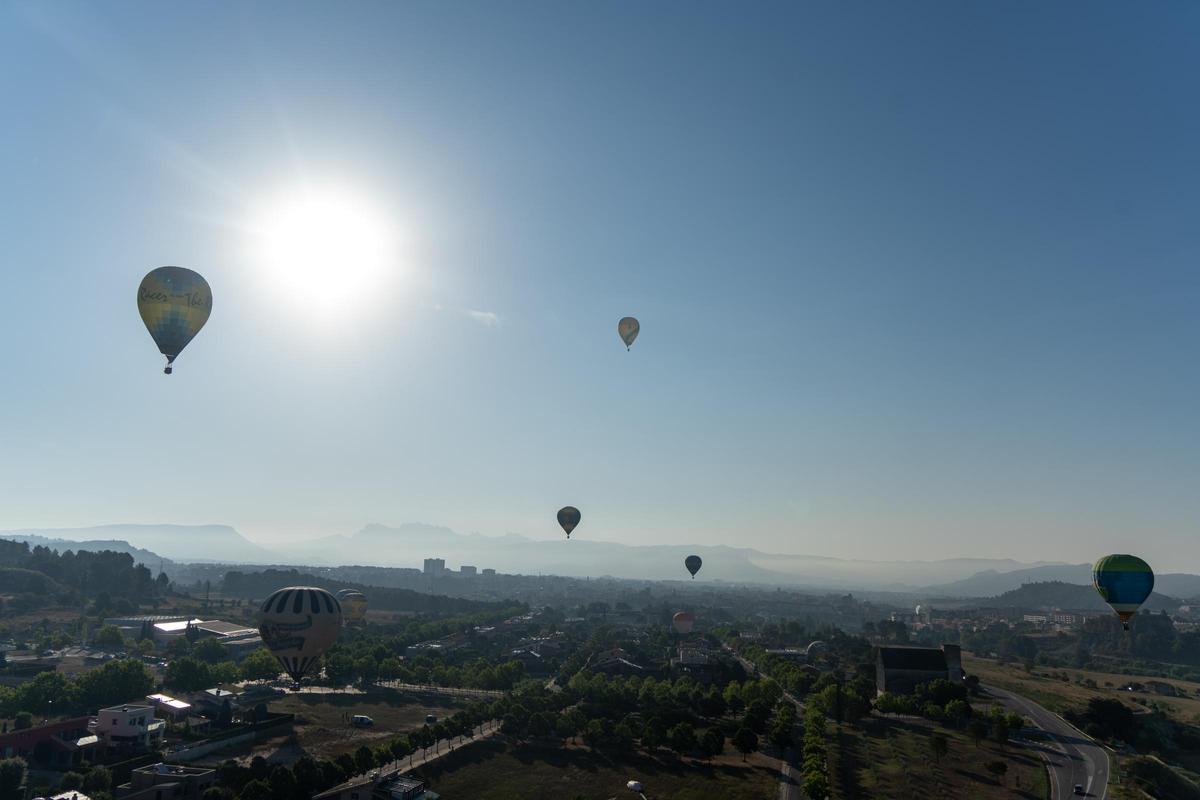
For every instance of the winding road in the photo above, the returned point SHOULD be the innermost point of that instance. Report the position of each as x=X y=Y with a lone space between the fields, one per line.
x=1072 y=757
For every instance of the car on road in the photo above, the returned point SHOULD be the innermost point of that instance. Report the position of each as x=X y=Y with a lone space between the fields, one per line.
x=431 y=719
x=1079 y=788
x=361 y=721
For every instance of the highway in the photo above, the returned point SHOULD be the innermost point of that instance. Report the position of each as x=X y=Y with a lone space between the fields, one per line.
x=1072 y=757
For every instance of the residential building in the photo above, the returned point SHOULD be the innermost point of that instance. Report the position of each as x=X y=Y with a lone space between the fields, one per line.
x=488 y=572
x=57 y=744
x=129 y=727
x=899 y=670
x=161 y=781
x=211 y=701
x=465 y=570
x=434 y=566
x=169 y=708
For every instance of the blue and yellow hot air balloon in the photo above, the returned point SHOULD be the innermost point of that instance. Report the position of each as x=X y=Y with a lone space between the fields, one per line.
x=174 y=303
x=1124 y=582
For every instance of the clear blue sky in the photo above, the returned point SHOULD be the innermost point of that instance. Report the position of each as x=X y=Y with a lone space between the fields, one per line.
x=915 y=279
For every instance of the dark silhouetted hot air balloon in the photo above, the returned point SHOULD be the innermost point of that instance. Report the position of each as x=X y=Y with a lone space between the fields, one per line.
x=683 y=621
x=174 y=303
x=1124 y=582
x=298 y=624
x=628 y=328
x=568 y=517
x=354 y=605
x=693 y=565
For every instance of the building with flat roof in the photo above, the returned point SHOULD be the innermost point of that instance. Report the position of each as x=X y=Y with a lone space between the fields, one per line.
x=378 y=785
x=434 y=566
x=160 y=781
x=465 y=570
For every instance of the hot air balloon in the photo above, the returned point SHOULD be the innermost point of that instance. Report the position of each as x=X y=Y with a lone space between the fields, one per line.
x=683 y=622
x=568 y=517
x=693 y=565
x=1124 y=582
x=298 y=624
x=354 y=605
x=174 y=303
x=628 y=329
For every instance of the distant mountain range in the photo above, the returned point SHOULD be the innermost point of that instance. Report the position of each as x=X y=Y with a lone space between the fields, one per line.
x=409 y=544
x=193 y=543
x=140 y=556
x=1067 y=596
x=991 y=583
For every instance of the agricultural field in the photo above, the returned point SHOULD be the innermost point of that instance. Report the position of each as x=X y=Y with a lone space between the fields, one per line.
x=500 y=771
x=322 y=728
x=1073 y=694
x=892 y=758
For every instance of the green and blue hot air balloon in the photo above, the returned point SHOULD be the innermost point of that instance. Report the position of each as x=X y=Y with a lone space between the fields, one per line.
x=1124 y=582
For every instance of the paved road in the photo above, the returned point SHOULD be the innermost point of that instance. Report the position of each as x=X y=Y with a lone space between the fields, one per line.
x=1073 y=758
x=789 y=779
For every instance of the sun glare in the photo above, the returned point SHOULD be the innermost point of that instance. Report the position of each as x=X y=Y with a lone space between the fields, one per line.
x=327 y=248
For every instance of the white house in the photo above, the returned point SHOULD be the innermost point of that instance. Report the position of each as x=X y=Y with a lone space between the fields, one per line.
x=130 y=727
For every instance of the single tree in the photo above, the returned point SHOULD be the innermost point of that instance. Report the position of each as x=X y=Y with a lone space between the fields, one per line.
x=746 y=742
x=938 y=745
x=999 y=769
x=978 y=730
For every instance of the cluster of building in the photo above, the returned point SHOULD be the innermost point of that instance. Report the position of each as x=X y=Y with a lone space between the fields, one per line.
x=163 y=630
x=459 y=641
x=436 y=568
x=116 y=732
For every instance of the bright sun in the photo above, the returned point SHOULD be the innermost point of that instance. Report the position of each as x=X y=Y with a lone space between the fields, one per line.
x=325 y=247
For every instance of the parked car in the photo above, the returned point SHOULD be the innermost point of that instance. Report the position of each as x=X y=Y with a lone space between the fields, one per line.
x=361 y=721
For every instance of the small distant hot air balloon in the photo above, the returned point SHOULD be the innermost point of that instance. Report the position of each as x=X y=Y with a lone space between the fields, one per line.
x=174 y=303
x=683 y=621
x=693 y=565
x=1124 y=582
x=628 y=328
x=568 y=517
x=354 y=605
x=298 y=624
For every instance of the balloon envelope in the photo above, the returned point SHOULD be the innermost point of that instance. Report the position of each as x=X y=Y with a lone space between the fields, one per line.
x=683 y=621
x=568 y=517
x=693 y=564
x=174 y=303
x=298 y=624
x=354 y=605
x=628 y=329
x=1124 y=581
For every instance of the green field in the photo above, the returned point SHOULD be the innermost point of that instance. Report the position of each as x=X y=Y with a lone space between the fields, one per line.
x=498 y=771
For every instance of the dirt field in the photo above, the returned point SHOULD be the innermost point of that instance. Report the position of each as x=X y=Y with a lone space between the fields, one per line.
x=498 y=772
x=892 y=758
x=322 y=728
x=1059 y=695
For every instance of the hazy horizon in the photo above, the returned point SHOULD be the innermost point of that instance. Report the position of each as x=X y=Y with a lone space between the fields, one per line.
x=914 y=282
